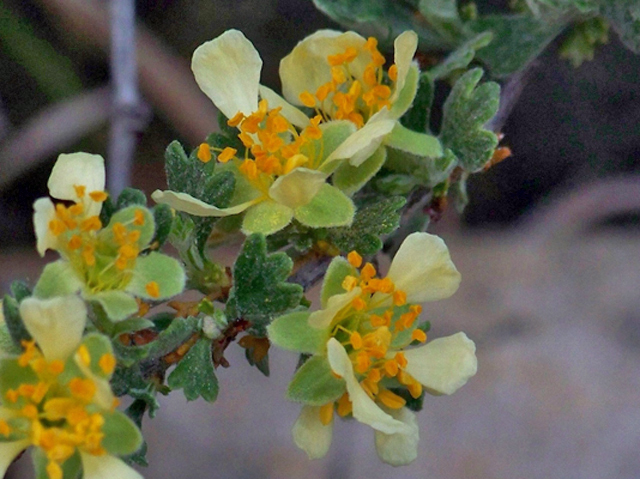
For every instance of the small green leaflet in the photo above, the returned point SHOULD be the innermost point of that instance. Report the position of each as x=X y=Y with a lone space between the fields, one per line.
x=195 y=373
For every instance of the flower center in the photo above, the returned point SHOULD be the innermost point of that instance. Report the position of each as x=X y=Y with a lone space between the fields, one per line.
x=273 y=146
x=346 y=97
x=102 y=264
x=57 y=417
x=371 y=334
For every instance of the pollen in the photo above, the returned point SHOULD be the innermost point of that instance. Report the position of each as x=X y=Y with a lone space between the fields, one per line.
x=368 y=272
x=153 y=289
x=354 y=259
x=307 y=99
x=399 y=298
x=359 y=304
x=80 y=190
x=391 y=368
x=57 y=227
x=83 y=389
x=98 y=196
x=393 y=72
x=344 y=406
x=236 y=120
x=204 y=153
x=227 y=154
x=5 y=429
x=391 y=400
x=75 y=242
x=349 y=283
x=83 y=355
x=419 y=335
x=91 y=224
x=56 y=367
x=356 y=340
x=54 y=470
x=107 y=363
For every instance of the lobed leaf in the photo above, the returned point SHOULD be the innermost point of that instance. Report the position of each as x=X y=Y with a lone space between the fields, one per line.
x=195 y=373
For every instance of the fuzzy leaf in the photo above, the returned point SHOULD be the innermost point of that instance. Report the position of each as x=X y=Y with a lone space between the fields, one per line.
x=466 y=110
x=121 y=435
x=260 y=291
x=372 y=220
x=329 y=208
x=293 y=332
x=166 y=271
x=13 y=320
x=461 y=57
x=20 y=290
x=163 y=218
x=338 y=269
x=315 y=384
x=131 y=196
x=195 y=373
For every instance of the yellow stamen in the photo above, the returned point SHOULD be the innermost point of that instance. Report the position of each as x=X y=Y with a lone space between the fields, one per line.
x=399 y=298
x=356 y=340
x=57 y=227
x=107 y=363
x=54 y=470
x=235 y=121
x=354 y=259
x=359 y=304
x=84 y=356
x=204 y=153
x=91 y=224
x=368 y=272
x=401 y=360
x=415 y=389
x=75 y=242
x=307 y=99
x=391 y=368
x=80 y=190
x=5 y=429
x=326 y=413
x=227 y=154
x=83 y=389
x=393 y=72
x=138 y=217
x=349 y=283
x=391 y=400
x=153 y=289
x=344 y=406
x=98 y=196
x=419 y=335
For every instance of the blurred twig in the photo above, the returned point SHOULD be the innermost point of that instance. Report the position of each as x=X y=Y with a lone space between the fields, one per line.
x=128 y=111
x=52 y=130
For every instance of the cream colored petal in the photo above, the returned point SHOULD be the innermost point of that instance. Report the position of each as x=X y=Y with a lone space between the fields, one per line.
x=227 y=69
x=184 y=202
x=322 y=319
x=365 y=409
x=9 y=451
x=399 y=449
x=297 y=188
x=360 y=145
x=405 y=47
x=443 y=365
x=291 y=113
x=43 y=213
x=106 y=466
x=306 y=68
x=81 y=169
x=423 y=269
x=310 y=434
x=56 y=324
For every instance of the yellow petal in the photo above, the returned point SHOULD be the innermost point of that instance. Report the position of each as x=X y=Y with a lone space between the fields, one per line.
x=310 y=434
x=77 y=169
x=106 y=466
x=227 y=69
x=186 y=203
x=405 y=47
x=399 y=449
x=322 y=319
x=43 y=212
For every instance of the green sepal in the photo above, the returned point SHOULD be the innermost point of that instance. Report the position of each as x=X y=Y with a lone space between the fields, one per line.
x=129 y=325
x=329 y=208
x=415 y=143
x=266 y=217
x=166 y=271
x=58 y=279
x=375 y=217
x=117 y=304
x=338 y=269
x=71 y=467
x=333 y=134
x=350 y=179
x=461 y=57
x=195 y=373
x=126 y=216
x=131 y=196
x=260 y=291
x=465 y=111
x=293 y=332
x=417 y=117
x=163 y=218
x=13 y=321
x=12 y=375
x=97 y=345
x=121 y=435
x=262 y=365
x=315 y=384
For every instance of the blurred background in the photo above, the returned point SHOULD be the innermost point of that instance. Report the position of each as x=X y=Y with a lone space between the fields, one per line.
x=548 y=248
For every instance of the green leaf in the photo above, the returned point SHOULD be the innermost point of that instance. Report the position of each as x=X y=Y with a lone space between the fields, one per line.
x=624 y=16
x=135 y=412
x=260 y=291
x=17 y=331
x=315 y=384
x=338 y=269
x=461 y=57
x=293 y=332
x=517 y=40
x=442 y=16
x=131 y=196
x=329 y=208
x=266 y=217
x=350 y=179
x=375 y=217
x=466 y=110
x=57 y=279
x=163 y=218
x=417 y=117
x=121 y=435
x=195 y=373
x=198 y=179
x=20 y=290
x=156 y=267
x=178 y=332
x=131 y=325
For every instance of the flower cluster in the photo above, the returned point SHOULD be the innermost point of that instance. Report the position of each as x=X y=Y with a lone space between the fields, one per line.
x=361 y=336
x=103 y=262
x=56 y=397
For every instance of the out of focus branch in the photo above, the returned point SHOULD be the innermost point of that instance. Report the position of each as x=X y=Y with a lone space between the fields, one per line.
x=165 y=79
x=128 y=111
x=50 y=131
